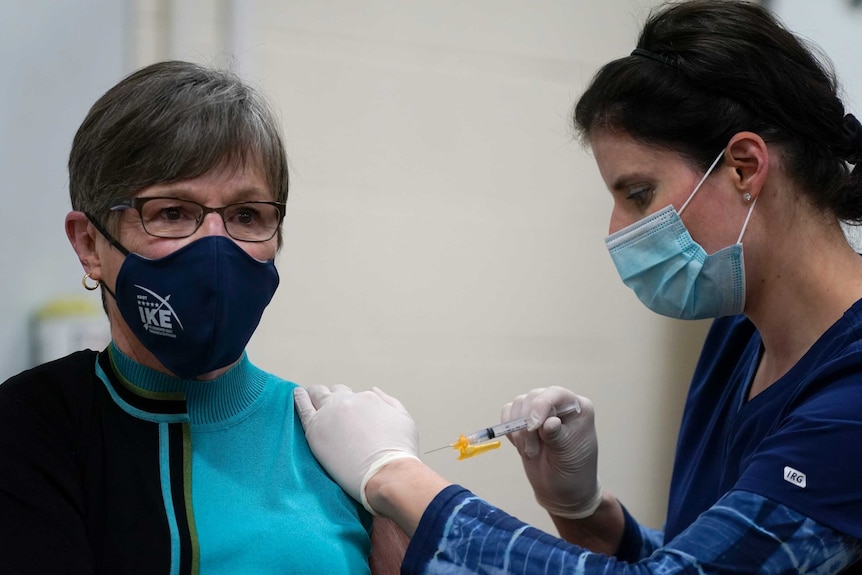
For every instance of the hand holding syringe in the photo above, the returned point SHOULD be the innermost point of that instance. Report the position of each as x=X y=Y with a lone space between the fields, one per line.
x=480 y=441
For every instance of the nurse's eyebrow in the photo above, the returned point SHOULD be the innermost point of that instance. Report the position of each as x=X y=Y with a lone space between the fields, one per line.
x=625 y=181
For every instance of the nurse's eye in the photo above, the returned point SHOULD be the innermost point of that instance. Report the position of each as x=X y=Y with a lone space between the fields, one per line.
x=641 y=195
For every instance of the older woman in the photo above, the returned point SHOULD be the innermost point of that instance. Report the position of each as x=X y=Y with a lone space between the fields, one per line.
x=169 y=452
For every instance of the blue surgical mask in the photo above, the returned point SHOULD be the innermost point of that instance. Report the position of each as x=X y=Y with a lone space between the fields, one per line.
x=671 y=273
x=196 y=308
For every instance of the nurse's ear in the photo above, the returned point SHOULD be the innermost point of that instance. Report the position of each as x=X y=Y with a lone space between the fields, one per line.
x=748 y=155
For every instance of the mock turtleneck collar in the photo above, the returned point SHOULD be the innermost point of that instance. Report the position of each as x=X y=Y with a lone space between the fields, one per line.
x=214 y=401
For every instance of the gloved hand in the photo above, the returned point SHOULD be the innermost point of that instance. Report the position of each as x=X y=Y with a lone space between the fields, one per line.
x=560 y=454
x=353 y=435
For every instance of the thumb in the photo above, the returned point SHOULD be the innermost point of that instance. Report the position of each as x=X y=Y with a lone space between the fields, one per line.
x=551 y=432
x=304 y=407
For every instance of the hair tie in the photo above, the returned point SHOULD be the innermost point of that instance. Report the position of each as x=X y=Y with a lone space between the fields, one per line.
x=850 y=148
x=661 y=58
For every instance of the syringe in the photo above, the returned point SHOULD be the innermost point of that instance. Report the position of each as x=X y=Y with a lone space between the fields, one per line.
x=480 y=441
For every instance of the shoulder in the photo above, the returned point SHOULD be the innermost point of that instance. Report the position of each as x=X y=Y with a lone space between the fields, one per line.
x=829 y=376
x=810 y=458
x=69 y=376
x=42 y=409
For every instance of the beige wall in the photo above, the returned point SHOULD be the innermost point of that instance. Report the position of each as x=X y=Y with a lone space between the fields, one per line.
x=444 y=236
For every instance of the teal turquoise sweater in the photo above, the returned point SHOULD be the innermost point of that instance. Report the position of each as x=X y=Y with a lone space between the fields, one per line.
x=143 y=472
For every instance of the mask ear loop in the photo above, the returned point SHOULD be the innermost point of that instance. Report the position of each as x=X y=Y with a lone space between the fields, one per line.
x=112 y=241
x=745 y=223
x=106 y=235
x=702 y=180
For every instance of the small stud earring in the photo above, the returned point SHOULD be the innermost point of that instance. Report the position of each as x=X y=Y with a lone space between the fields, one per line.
x=746 y=196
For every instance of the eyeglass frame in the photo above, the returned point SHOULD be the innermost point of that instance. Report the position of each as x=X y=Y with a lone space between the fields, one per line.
x=137 y=202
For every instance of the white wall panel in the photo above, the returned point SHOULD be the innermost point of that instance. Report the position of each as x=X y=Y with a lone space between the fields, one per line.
x=444 y=236
x=56 y=58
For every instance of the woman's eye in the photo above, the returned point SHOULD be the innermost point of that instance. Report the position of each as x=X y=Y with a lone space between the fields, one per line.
x=640 y=195
x=171 y=214
x=167 y=210
x=245 y=216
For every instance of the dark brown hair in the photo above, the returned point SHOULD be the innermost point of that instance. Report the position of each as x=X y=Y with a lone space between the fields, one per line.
x=704 y=70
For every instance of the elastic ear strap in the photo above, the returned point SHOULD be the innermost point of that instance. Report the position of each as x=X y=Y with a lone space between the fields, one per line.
x=745 y=223
x=112 y=241
x=702 y=180
x=105 y=233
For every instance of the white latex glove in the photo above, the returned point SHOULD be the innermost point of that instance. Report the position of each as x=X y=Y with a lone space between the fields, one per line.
x=353 y=435
x=560 y=454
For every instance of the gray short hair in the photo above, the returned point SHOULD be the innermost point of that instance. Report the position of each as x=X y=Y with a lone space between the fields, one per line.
x=171 y=121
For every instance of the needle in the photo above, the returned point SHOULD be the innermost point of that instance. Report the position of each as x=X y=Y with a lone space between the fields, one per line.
x=467 y=444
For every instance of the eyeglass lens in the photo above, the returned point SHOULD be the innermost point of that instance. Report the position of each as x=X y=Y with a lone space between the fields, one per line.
x=175 y=218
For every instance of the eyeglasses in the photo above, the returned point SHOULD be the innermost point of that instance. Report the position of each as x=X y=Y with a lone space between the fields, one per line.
x=176 y=218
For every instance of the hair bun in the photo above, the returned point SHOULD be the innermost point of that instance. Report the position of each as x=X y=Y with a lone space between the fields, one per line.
x=850 y=148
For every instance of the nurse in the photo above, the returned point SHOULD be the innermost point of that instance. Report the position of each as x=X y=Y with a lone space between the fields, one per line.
x=730 y=160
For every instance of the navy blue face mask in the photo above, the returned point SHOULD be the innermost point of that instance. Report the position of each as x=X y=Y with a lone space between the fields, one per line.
x=196 y=308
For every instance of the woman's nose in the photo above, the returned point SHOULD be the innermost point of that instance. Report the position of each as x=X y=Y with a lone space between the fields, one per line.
x=213 y=225
x=616 y=222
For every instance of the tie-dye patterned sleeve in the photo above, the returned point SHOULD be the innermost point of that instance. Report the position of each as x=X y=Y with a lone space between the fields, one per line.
x=638 y=541
x=742 y=533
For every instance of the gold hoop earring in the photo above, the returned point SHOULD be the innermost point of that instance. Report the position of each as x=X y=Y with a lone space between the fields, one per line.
x=87 y=286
